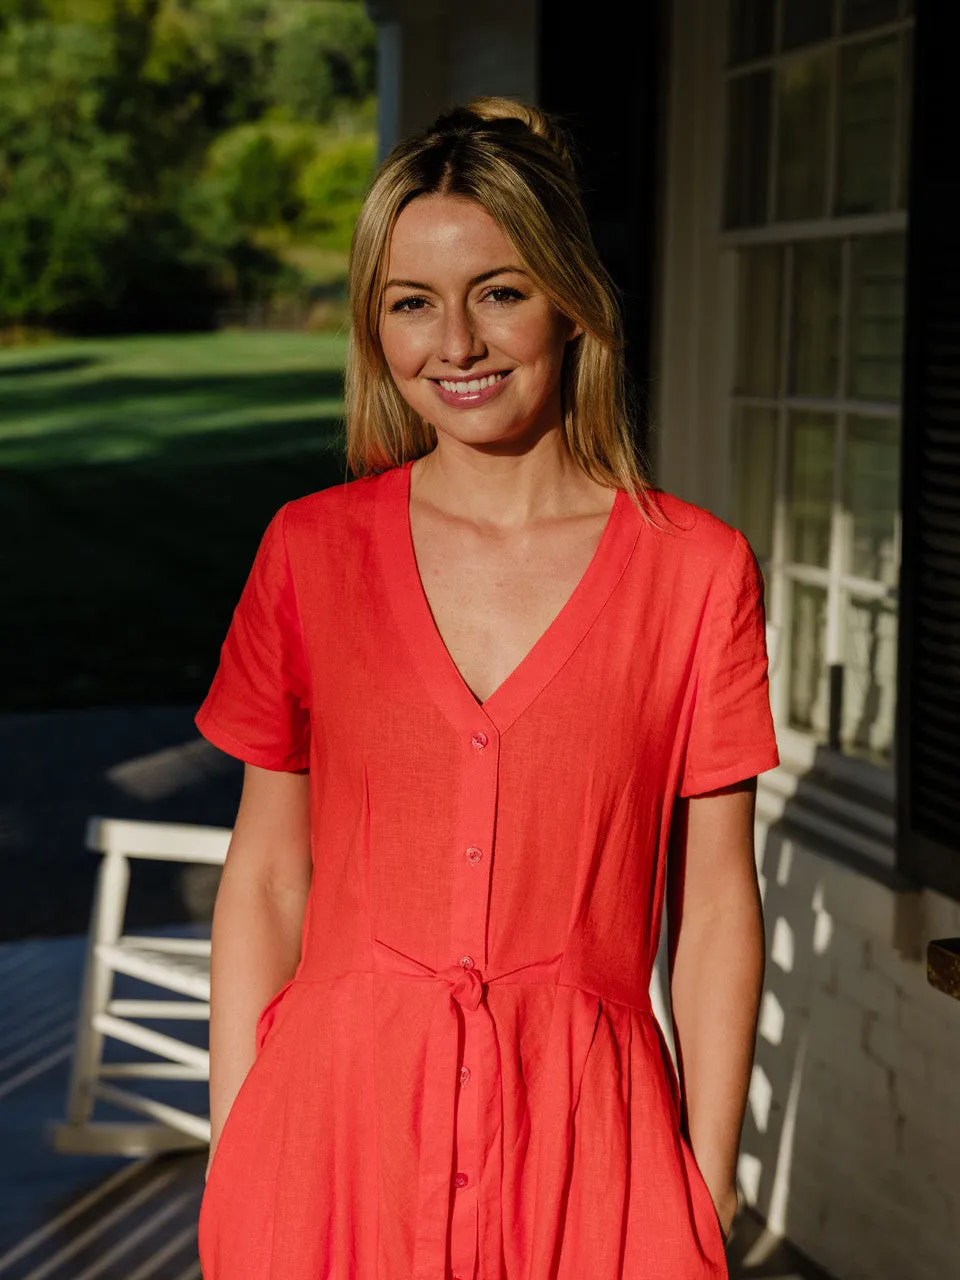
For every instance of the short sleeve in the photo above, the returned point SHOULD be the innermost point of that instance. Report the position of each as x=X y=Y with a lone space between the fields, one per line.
x=731 y=734
x=258 y=705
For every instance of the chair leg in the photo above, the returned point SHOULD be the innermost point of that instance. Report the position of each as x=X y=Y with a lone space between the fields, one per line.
x=106 y=926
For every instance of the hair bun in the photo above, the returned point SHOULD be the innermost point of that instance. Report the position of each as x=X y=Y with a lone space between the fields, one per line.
x=537 y=121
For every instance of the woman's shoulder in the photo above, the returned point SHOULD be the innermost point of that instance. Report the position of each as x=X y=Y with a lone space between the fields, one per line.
x=340 y=509
x=690 y=547
x=691 y=533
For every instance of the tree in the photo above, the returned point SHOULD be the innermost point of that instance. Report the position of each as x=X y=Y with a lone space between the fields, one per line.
x=325 y=51
x=62 y=197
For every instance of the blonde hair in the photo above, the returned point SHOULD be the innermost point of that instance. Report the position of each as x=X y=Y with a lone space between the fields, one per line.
x=516 y=163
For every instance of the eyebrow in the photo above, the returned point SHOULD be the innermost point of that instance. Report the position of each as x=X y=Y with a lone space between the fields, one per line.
x=484 y=275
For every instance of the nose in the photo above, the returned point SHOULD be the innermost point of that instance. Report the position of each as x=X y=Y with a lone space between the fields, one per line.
x=460 y=341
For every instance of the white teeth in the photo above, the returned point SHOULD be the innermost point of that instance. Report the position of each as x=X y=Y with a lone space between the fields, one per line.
x=473 y=386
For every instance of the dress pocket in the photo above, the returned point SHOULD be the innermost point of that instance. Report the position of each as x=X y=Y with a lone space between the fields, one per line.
x=706 y=1212
x=221 y=1156
x=268 y=1014
x=265 y=1021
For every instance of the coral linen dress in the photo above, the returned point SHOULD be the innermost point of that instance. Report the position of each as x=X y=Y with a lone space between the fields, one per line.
x=464 y=1080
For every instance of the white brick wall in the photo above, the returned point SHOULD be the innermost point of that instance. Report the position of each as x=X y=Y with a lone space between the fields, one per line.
x=852 y=1141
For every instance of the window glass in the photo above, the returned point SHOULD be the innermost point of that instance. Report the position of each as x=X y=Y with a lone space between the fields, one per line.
x=803 y=96
x=751 y=29
x=755 y=449
x=859 y=15
x=871 y=499
x=868 y=125
x=805 y=21
x=869 y=678
x=815 y=321
x=748 y=150
x=809 y=694
x=811 y=487
x=822 y=134
x=760 y=287
x=875 y=349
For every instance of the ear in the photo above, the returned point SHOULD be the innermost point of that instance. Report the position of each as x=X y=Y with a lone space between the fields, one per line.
x=576 y=331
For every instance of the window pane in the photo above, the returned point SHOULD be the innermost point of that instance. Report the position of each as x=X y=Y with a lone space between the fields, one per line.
x=809 y=700
x=805 y=21
x=868 y=109
x=755 y=446
x=877 y=284
x=751 y=29
x=869 y=679
x=803 y=92
x=811 y=487
x=760 y=287
x=748 y=150
x=871 y=499
x=815 y=327
x=858 y=15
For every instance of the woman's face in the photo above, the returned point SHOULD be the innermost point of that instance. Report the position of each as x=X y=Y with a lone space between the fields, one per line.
x=474 y=346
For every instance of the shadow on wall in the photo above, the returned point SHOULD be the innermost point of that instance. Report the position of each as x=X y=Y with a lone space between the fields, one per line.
x=852 y=1131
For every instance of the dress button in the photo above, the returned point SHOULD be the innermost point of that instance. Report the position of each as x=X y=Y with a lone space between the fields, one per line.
x=474 y=854
x=461 y=1180
x=464 y=1074
x=465 y=962
x=479 y=739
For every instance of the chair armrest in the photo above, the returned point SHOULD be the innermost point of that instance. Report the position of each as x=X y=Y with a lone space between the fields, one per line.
x=164 y=841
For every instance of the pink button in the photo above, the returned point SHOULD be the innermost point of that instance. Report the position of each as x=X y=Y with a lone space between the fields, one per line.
x=479 y=739
x=464 y=1074
x=465 y=962
x=461 y=1180
x=474 y=854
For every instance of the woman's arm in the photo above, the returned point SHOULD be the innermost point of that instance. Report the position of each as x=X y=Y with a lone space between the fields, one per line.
x=716 y=967
x=257 y=923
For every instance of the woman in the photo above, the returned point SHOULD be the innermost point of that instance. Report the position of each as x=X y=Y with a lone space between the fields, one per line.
x=479 y=691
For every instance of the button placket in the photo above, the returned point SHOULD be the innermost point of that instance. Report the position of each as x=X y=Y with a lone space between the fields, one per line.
x=468 y=916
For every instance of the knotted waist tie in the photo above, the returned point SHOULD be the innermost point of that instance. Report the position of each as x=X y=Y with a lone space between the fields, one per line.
x=466 y=987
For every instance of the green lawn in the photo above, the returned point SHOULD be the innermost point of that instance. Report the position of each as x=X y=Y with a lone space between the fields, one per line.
x=136 y=477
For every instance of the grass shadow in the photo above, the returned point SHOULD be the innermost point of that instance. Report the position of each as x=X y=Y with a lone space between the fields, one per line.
x=60 y=364
x=134 y=505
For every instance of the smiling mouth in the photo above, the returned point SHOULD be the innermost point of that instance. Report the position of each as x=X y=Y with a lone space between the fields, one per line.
x=470 y=386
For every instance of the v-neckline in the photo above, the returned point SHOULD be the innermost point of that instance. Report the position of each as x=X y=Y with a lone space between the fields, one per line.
x=550 y=651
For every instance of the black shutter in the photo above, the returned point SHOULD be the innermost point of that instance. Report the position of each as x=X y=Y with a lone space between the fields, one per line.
x=928 y=741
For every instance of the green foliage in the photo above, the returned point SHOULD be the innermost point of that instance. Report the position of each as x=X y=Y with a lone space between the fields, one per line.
x=256 y=167
x=156 y=155
x=332 y=187
x=62 y=200
x=324 y=53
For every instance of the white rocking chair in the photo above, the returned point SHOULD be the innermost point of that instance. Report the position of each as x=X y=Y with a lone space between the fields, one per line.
x=179 y=965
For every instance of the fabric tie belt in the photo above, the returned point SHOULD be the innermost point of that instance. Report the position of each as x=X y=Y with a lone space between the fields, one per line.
x=463 y=986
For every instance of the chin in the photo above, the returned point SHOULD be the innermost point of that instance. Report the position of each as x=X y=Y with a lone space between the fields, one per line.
x=483 y=435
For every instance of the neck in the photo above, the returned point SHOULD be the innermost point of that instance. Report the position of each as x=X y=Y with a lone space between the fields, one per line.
x=506 y=489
